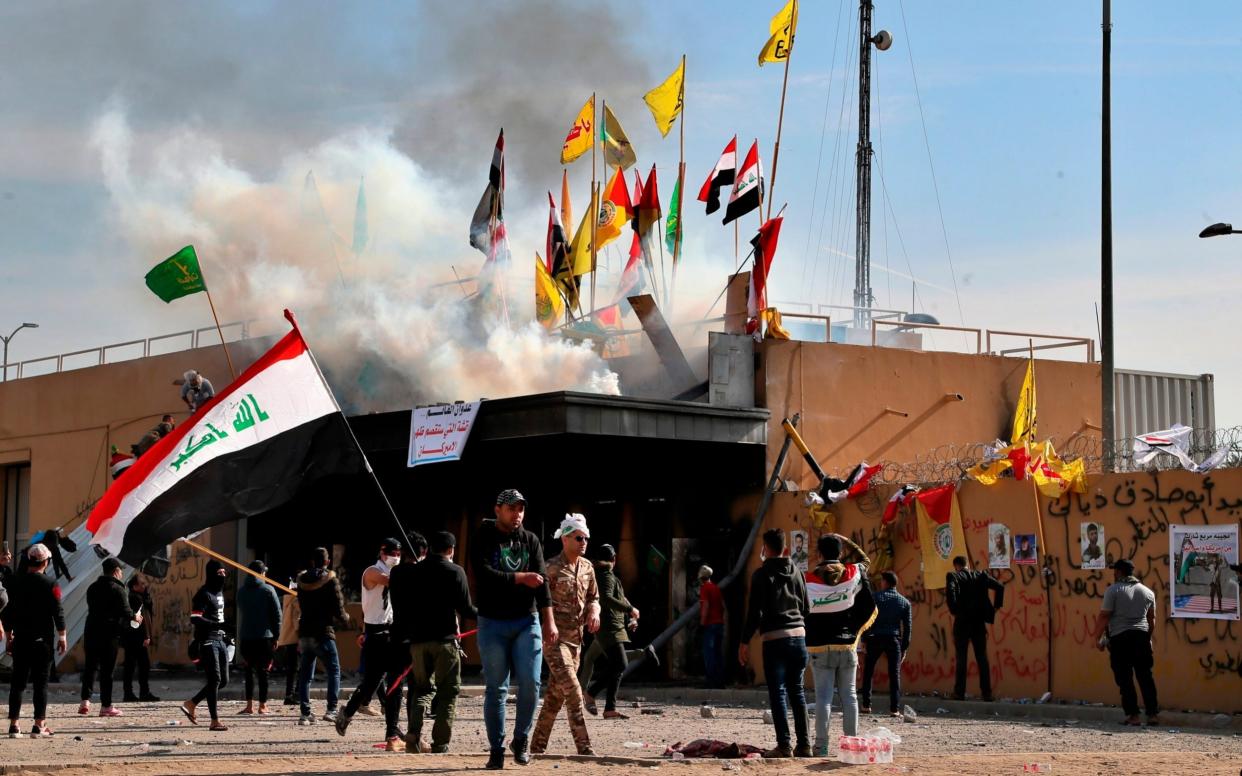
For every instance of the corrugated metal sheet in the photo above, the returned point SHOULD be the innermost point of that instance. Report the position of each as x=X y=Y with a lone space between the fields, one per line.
x=1150 y=401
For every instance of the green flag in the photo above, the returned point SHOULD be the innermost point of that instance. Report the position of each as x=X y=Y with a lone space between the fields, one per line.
x=672 y=222
x=176 y=276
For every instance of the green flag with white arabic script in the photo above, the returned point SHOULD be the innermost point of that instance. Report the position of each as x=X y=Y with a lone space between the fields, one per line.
x=176 y=276
x=672 y=221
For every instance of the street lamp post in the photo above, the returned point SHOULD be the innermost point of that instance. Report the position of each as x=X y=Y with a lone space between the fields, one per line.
x=4 y=365
x=1217 y=230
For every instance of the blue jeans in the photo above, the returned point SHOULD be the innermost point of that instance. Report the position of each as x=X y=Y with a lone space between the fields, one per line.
x=784 y=663
x=325 y=650
x=510 y=647
x=713 y=661
x=834 y=669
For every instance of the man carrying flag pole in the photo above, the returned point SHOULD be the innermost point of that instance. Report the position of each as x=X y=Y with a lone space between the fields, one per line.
x=253 y=447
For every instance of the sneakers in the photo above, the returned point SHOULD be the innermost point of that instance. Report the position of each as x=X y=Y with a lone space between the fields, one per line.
x=392 y=744
x=864 y=709
x=306 y=719
x=495 y=760
x=40 y=731
x=330 y=715
x=85 y=708
x=587 y=752
x=802 y=750
x=129 y=698
x=291 y=700
x=778 y=751
x=521 y=751
x=342 y=723
x=439 y=748
x=368 y=710
x=147 y=697
x=109 y=711
x=14 y=732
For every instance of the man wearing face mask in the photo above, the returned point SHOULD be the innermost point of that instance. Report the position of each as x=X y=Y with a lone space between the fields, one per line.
x=207 y=617
x=376 y=644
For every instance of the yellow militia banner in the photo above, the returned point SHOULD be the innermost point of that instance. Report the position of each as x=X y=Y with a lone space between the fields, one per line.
x=940 y=533
x=782 y=30
x=581 y=137
x=664 y=101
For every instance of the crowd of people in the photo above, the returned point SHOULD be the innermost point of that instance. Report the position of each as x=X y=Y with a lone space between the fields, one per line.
x=530 y=610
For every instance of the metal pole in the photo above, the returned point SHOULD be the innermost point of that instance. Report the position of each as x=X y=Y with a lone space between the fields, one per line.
x=743 y=557
x=862 y=252
x=1108 y=419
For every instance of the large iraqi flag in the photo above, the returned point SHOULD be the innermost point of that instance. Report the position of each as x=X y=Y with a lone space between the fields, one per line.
x=250 y=449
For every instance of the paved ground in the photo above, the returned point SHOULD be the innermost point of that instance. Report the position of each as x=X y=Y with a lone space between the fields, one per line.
x=155 y=739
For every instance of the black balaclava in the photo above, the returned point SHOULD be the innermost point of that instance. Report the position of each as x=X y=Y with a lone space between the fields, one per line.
x=215 y=582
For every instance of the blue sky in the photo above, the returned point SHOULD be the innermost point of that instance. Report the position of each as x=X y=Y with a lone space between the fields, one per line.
x=1010 y=101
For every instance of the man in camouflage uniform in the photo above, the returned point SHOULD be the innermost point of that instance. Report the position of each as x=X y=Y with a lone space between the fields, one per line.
x=575 y=603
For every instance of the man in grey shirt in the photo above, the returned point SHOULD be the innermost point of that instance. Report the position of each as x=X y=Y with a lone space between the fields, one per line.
x=1129 y=614
x=196 y=390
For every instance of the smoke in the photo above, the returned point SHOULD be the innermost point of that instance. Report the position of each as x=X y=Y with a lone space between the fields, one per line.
x=389 y=334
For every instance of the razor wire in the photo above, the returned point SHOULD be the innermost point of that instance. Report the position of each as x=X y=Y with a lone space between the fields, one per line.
x=950 y=462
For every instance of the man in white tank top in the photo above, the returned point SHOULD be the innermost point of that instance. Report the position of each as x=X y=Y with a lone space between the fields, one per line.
x=376 y=650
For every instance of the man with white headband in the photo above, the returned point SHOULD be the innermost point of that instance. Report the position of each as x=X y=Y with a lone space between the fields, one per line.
x=575 y=604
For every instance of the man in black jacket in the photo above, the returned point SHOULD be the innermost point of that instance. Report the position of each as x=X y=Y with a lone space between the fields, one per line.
x=137 y=641
x=323 y=605
x=207 y=617
x=778 y=610
x=511 y=579
x=966 y=592
x=35 y=621
x=107 y=614
x=436 y=675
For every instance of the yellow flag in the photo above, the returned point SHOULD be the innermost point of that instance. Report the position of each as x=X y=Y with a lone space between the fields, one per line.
x=781 y=30
x=617 y=149
x=1053 y=476
x=548 y=304
x=567 y=210
x=772 y=317
x=940 y=533
x=581 y=137
x=1024 y=419
x=665 y=100
x=580 y=248
x=614 y=210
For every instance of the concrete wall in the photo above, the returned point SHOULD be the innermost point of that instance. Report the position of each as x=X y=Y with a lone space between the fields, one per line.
x=1198 y=661
x=842 y=392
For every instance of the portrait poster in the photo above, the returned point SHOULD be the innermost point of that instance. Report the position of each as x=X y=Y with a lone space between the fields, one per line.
x=1203 y=581
x=1025 y=549
x=799 y=551
x=998 y=546
x=1091 y=541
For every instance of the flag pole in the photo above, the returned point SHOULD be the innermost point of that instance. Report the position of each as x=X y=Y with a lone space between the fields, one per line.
x=294 y=322
x=681 y=185
x=237 y=565
x=780 y=119
x=207 y=289
x=595 y=215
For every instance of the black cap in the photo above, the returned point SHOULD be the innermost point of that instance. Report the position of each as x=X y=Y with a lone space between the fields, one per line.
x=607 y=552
x=510 y=496
x=1124 y=566
x=390 y=545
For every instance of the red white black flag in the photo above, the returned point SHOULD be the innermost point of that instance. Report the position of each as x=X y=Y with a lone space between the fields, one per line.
x=487 y=227
x=748 y=188
x=248 y=450
x=721 y=176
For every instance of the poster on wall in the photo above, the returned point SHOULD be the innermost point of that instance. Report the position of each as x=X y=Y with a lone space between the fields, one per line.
x=1025 y=549
x=998 y=546
x=439 y=433
x=798 y=552
x=1202 y=584
x=1091 y=540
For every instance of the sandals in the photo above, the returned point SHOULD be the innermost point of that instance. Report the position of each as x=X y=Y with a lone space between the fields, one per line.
x=615 y=715
x=188 y=711
x=218 y=726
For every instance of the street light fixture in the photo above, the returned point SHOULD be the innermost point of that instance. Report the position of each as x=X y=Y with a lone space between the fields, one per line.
x=4 y=364
x=1217 y=230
